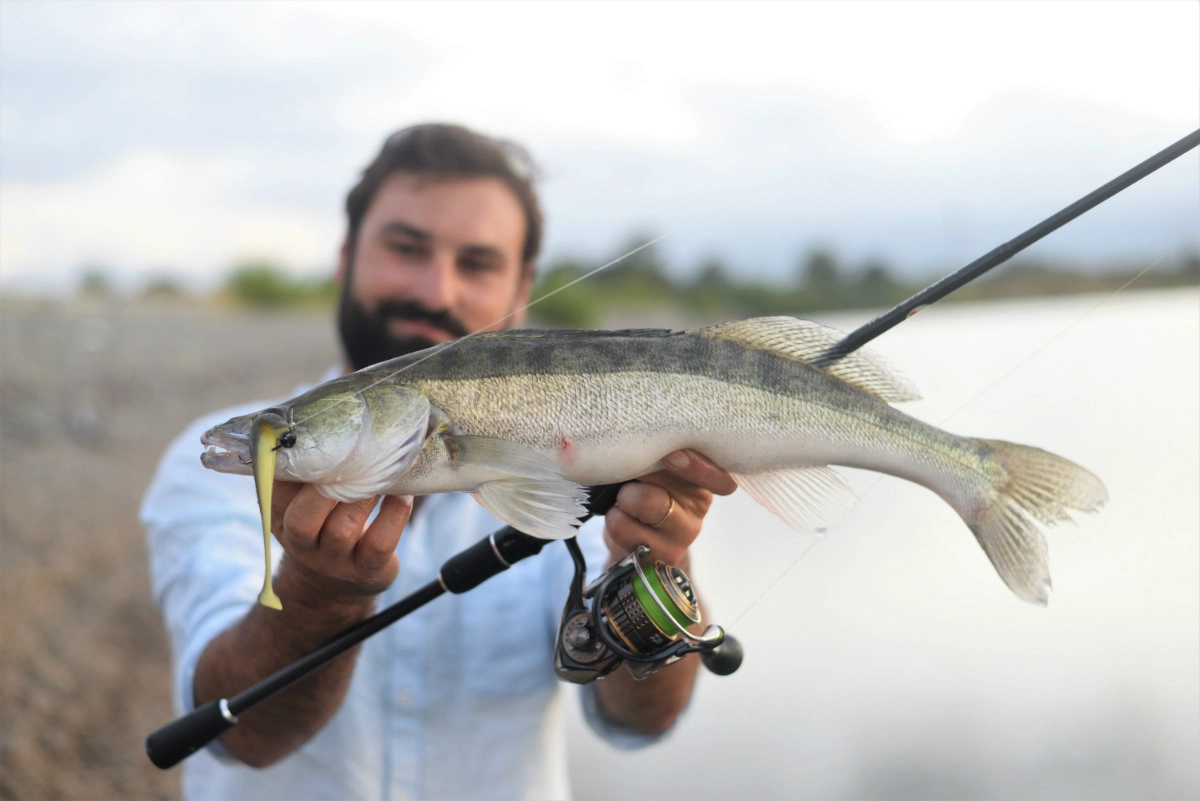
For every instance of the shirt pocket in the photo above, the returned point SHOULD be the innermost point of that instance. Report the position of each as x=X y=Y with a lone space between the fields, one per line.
x=507 y=647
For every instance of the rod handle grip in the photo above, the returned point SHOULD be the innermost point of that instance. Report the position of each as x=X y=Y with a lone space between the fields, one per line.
x=183 y=737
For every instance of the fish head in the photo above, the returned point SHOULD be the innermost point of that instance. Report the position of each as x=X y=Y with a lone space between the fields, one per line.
x=351 y=441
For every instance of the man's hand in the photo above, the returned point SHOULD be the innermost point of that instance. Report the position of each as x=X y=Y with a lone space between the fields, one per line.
x=335 y=565
x=334 y=553
x=665 y=510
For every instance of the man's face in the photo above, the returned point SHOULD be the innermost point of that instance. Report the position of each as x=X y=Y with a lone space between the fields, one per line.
x=433 y=260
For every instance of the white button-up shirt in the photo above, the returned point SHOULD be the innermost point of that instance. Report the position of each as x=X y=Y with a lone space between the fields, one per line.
x=456 y=701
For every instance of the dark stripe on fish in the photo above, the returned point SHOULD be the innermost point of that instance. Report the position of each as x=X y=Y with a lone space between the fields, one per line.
x=506 y=354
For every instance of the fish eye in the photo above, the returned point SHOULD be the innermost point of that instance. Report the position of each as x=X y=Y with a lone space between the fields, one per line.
x=286 y=440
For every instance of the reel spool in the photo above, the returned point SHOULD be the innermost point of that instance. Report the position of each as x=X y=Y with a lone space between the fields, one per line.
x=637 y=616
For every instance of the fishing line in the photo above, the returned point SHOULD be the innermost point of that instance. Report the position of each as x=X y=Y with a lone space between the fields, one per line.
x=1050 y=341
x=879 y=479
x=436 y=349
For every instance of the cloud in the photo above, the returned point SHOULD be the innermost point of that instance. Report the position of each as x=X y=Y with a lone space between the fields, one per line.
x=84 y=85
x=912 y=131
x=130 y=215
x=779 y=170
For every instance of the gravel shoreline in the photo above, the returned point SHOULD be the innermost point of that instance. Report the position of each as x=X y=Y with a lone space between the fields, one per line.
x=90 y=395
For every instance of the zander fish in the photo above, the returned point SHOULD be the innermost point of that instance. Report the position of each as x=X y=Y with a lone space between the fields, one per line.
x=526 y=419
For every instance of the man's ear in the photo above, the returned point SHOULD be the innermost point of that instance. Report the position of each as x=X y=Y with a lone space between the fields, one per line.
x=521 y=298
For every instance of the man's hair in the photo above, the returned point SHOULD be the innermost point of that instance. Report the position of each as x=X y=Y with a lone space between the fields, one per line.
x=441 y=152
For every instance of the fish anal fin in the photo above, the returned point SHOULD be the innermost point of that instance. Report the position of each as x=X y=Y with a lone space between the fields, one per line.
x=804 y=341
x=806 y=498
x=549 y=509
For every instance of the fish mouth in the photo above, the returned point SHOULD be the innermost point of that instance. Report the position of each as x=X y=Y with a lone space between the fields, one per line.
x=227 y=450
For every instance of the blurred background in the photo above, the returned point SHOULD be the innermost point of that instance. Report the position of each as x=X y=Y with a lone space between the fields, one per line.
x=171 y=183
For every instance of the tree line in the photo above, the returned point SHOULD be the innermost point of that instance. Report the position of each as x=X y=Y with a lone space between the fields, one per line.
x=643 y=283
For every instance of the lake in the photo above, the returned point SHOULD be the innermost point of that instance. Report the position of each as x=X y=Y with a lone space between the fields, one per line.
x=887 y=659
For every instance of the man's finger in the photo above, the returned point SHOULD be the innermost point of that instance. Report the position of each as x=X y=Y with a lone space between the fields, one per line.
x=623 y=532
x=344 y=527
x=378 y=544
x=300 y=525
x=282 y=496
x=697 y=469
x=651 y=503
x=649 y=514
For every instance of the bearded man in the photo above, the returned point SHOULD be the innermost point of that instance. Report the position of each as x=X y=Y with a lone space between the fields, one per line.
x=460 y=699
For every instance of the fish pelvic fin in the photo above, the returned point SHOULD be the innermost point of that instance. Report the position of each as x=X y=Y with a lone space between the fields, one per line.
x=546 y=508
x=804 y=341
x=806 y=498
x=1035 y=486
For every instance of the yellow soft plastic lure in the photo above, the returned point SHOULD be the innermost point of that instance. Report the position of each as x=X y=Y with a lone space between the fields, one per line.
x=265 y=439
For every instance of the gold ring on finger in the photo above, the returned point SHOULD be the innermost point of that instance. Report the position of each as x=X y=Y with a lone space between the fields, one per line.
x=667 y=516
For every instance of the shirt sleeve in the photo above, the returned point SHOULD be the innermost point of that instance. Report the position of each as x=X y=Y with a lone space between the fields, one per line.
x=204 y=540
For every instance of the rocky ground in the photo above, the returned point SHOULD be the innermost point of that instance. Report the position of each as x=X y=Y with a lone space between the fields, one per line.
x=89 y=397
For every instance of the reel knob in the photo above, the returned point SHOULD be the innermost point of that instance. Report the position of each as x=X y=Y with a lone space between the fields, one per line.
x=725 y=658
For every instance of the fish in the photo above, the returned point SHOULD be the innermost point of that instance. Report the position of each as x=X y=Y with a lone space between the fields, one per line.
x=526 y=419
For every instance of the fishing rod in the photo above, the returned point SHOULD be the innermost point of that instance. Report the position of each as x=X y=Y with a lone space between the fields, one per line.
x=621 y=618
x=625 y=624
x=943 y=287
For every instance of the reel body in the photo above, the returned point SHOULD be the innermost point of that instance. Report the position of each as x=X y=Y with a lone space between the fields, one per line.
x=638 y=616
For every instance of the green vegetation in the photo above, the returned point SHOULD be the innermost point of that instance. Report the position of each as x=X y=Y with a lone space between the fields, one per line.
x=95 y=283
x=163 y=288
x=264 y=285
x=821 y=281
x=643 y=283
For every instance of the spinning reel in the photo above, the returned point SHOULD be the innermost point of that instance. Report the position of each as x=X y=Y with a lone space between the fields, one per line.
x=637 y=615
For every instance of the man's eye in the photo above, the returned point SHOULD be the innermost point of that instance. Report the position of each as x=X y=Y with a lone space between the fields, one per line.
x=405 y=249
x=476 y=266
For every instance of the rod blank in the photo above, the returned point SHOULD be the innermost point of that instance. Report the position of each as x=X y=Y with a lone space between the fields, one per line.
x=940 y=289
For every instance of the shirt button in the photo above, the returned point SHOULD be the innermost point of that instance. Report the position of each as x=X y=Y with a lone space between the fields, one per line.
x=403 y=700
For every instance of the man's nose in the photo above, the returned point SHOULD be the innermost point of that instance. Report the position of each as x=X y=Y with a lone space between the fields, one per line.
x=437 y=288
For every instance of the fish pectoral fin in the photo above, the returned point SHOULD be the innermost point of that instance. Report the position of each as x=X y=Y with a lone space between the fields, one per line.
x=548 y=508
x=805 y=341
x=531 y=496
x=501 y=456
x=806 y=498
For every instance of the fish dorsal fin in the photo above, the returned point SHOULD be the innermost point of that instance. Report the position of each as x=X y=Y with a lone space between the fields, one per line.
x=806 y=498
x=804 y=341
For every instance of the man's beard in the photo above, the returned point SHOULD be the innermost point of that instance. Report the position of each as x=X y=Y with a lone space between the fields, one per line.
x=365 y=335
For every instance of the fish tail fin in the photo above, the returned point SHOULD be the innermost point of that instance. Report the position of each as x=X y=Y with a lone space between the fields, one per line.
x=1033 y=486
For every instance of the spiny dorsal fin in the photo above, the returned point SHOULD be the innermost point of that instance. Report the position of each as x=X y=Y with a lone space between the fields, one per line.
x=804 y=340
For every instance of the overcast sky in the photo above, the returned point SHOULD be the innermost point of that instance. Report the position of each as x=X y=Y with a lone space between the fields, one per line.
x=178 y=138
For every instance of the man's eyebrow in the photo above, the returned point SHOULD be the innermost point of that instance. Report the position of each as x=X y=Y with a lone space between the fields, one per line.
x=483 y=251
x=407 y=230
